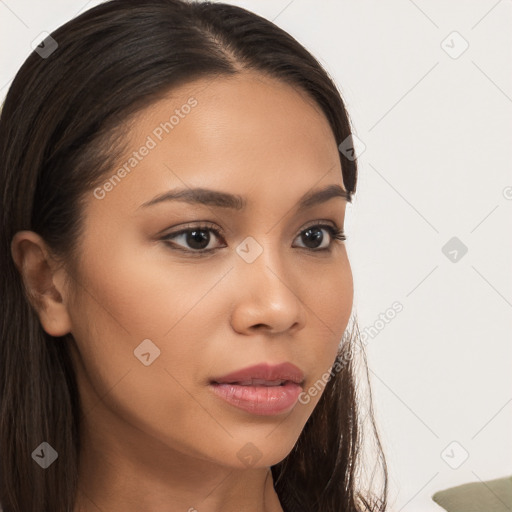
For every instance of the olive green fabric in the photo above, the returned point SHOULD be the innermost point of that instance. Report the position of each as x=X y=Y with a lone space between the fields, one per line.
x=489 y=496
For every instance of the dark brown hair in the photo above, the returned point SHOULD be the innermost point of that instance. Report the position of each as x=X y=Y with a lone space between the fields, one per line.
x=61 y=129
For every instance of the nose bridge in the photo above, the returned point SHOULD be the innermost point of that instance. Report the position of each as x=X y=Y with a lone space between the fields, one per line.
x=267 y=297
x=261 y=260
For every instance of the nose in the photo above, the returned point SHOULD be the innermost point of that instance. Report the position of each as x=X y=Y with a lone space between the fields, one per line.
x=265 y=296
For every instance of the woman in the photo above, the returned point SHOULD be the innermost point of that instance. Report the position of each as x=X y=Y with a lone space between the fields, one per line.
x=176 y=290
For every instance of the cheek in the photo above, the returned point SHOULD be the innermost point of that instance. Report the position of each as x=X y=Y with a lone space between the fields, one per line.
x=330 y=298
x=330 y=306
x=140 y=292
x=141 y=327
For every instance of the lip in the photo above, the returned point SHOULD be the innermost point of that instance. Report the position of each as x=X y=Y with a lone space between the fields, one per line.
x=264 y=371
x=259 y=398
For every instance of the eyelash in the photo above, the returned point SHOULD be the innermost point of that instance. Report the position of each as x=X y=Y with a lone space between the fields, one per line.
x=336 y=233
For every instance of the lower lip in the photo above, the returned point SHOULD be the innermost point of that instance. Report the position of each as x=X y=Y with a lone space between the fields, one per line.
x=262 y=400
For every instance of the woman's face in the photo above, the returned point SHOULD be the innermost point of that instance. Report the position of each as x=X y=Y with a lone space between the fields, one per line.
x=157 y=317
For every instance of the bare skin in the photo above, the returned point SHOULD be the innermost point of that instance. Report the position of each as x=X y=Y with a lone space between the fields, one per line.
x=155 y=437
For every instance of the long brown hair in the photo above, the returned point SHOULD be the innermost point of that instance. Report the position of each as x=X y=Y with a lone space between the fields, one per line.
x=61 y=129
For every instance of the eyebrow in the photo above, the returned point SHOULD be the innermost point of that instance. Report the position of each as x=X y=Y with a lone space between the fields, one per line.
x=225 y=200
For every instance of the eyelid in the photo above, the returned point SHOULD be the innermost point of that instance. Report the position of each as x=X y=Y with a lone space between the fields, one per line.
x=196 y=225
x=318 y=222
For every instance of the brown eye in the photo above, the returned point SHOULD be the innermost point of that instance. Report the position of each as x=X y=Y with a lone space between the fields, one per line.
x=313 y=237
x=195 y=239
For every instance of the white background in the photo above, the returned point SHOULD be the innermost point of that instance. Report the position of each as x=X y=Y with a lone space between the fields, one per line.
x=437 y=165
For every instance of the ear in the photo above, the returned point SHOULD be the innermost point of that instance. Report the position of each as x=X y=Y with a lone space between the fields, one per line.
x=44 y=282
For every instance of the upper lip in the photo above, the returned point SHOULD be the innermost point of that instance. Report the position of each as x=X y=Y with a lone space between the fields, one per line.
x=264 y=371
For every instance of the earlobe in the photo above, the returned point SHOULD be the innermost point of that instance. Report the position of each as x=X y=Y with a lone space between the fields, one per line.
x=43 y=281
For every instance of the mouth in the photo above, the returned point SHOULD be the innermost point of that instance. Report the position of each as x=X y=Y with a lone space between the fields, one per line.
x=257 y=396
x=263 y=374
x=254 y=382
x=263 y=389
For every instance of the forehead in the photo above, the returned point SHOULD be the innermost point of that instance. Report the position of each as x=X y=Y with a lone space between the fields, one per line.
x=248 y=134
